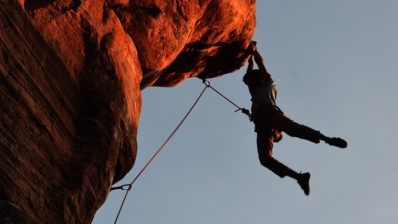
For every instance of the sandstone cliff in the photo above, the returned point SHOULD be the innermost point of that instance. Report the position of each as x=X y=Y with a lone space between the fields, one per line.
x=71 y=75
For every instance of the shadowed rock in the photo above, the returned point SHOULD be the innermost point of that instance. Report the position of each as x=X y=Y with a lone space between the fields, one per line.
x=71 y=76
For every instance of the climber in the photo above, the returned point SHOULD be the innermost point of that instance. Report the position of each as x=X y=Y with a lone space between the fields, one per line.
x=270 y=121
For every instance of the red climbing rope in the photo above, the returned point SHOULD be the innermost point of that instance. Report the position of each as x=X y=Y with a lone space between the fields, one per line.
x=127 y=187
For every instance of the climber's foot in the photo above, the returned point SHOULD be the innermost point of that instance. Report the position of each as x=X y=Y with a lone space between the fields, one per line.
x=338 y=142
x=304 y=181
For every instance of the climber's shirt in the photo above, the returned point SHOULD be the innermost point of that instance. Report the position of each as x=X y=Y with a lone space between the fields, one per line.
x=264 y=95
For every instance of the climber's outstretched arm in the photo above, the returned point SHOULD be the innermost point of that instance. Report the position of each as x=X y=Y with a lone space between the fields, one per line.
x=259 y=62
x=250 y=66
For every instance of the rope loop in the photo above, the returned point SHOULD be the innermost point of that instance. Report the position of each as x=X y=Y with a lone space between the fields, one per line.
x=206 y=82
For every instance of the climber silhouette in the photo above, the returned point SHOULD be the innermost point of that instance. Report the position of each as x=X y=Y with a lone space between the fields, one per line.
x=270 y=121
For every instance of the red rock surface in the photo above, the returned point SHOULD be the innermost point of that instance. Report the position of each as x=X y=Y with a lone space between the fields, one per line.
x=71 y=75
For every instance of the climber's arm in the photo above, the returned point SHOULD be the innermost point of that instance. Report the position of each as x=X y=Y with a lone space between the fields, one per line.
x=250 y=66
x=259 y=62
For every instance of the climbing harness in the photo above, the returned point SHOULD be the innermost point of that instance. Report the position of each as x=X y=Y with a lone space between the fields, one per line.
x=128 y=187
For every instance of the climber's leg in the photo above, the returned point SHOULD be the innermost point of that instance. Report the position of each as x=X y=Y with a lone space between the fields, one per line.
x=278 y=120
x=264 y=148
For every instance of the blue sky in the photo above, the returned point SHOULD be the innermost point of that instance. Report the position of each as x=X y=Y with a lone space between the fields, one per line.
x=335 y=65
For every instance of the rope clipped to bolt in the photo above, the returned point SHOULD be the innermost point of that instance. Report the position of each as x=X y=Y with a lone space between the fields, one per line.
x=128 y=187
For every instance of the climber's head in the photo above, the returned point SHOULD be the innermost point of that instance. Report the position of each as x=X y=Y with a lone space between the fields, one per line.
x=253 y=77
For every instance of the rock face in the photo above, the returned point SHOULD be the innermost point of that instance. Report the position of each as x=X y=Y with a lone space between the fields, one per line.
x=71 y=75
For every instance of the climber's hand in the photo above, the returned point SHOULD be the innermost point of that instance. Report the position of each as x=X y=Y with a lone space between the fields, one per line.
x=252 y=47
x=245 y=111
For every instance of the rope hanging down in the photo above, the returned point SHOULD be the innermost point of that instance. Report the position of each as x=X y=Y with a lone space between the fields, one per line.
x=127 y=187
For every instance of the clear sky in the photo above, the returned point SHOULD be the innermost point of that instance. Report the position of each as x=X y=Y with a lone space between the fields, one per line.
x=335 y=65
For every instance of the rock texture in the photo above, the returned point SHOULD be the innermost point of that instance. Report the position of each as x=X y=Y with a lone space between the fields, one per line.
x=71 y=76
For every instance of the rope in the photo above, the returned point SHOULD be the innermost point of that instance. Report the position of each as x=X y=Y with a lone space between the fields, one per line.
x=243 y=110
x=128 y=187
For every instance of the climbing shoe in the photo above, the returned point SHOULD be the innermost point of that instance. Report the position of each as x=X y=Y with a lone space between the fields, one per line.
x=304 y=181
x=338 y=142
